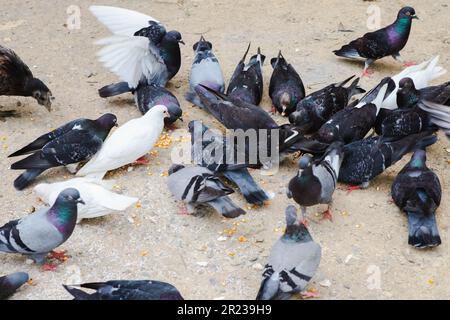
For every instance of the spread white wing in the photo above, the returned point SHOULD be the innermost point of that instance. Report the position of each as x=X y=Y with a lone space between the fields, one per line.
x=121 y=21
x=130 y=57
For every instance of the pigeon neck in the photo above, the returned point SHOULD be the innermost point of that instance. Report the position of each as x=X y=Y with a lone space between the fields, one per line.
x=170 y=53
x=63 y=216
x=30 y=87
x=407 y=99
x=399 y=31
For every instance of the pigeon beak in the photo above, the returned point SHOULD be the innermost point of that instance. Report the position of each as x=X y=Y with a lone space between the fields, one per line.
x=182 y=42
x=81 y=201
x=181 y=119
x=415 y=17
x=116 y=125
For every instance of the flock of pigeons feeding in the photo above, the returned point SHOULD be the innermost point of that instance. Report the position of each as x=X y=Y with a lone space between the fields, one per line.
x=328 y=127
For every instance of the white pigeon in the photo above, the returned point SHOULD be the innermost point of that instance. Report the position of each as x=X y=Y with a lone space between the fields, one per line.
x=99 y=200
x=422 y=74
x=128 y=143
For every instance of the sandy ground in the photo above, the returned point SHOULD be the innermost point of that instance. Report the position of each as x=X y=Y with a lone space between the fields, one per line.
x=365 y=250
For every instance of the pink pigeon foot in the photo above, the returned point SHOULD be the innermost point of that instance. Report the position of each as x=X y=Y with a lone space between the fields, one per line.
x=409 y=63
x=327 y=215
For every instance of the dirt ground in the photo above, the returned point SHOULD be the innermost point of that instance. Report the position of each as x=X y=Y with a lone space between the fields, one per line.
x=365 y=250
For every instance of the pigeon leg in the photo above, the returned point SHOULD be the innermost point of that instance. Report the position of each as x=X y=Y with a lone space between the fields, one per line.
x=183 y=211
x=304 y=220
x=367 y=72
x=142 y=161
x=362 y=186
x=399 y=58
x=327 y=214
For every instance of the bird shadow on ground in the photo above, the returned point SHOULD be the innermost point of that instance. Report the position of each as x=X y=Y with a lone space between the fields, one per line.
x=377 y=66
x=121 y=102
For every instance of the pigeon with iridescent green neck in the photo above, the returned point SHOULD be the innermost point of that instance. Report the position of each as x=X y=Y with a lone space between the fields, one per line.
x=388 y=41
x=40 y=233
x=10 y=283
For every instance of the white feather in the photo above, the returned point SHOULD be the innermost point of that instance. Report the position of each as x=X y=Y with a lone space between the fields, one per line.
x=128 y=143
x=132 y=58
x=421 y=75
x=99 y=200
x=121 y=21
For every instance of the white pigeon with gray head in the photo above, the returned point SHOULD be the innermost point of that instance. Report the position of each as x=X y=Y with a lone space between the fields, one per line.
x=97 y=195
x=128 y=143
x=40 y=233
x=293 y=261
x=198 y=185
x=205 y=70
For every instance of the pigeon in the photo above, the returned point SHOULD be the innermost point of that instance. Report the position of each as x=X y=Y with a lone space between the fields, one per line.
x=293 y=261
x=317 y=108
x=198 y=185
x=408 y=96
x=38 y=234
x=316 y=181
x=247 y=83
x=203 y=139
x=286 y=87
x=354 y=122
x=421 y=75
x=139 y=49
x=128 y=143
x=365 y=159
x=16 y=79
x=126 y=290
x=205 y=70
x=69 y=144
x=10 y=283
x=417 y=191
x=419 y=110
x=99 y=200
x=149 y=95
x=388 y=41
x=236 y=114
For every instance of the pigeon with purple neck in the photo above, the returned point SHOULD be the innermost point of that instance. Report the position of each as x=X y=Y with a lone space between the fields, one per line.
x=38 y=234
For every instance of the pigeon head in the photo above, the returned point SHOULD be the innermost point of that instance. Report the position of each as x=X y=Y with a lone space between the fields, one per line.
x=295 y=230
x=158 y=110
x=328 y=134
x=202 y=45
x=407 y=95
x=16 y=280
x=301 y=118
x=107 y=121
x=174 y=168
x=69 y=196
x=174 y=36
x=418 y=159
x=41 y=93
x=407 y=12
x=285 y=103
x=305 y=161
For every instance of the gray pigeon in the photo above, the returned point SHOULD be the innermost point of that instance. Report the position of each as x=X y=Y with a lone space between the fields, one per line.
x=203 y=140
x=38 y=234
x=205 y=70
x=198 y=185
x=10 y=283
x=294 y=260
x=316 y=181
